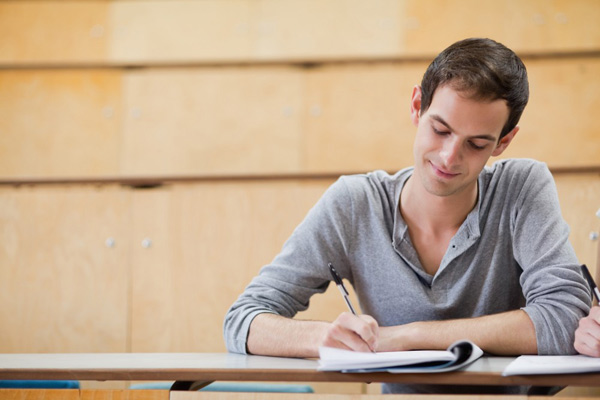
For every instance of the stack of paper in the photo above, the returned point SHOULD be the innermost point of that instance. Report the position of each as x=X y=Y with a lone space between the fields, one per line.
x=537 y=365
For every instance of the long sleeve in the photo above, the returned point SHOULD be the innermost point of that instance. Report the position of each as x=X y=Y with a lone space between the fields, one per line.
x=285 y=286
x=555 y=292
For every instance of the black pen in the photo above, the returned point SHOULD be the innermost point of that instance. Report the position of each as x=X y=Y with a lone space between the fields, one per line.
x=343 y=291
x=341 y=287
x=590 y=280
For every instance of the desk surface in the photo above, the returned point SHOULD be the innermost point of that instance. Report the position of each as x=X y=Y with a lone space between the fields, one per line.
x=236 y=367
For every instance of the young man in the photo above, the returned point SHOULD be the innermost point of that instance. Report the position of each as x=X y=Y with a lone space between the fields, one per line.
x=446 y=250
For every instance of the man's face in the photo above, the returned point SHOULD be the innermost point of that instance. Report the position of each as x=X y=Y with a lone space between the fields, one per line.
x=455 y=138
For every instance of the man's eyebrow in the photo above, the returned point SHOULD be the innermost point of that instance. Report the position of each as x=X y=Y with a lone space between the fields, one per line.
x=441 y=120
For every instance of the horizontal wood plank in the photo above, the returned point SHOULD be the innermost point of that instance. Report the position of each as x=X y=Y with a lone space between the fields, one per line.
x=183 y=31
x=54 y=32
x=59 y=123
x=212 y=120
x=260 y=121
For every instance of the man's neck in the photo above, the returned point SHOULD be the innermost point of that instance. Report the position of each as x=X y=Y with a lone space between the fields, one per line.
x=436 y=214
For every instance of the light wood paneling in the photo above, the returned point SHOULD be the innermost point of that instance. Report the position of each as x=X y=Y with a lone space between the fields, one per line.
x=125 y=395
x=338 y=29
x=208 y=242
x=208 y=121
x=39 y=394
x=579 y=196
x=261 y=120
x=154 y=31
x=181 y=30
x=559 y=125
x=322 y=30
x=59 y=123
x=358 y=117
x=53 y=32
x=62 y=289
x=532 y=26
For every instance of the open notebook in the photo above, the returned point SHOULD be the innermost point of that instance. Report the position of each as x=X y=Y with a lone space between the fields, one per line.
x=458 y=355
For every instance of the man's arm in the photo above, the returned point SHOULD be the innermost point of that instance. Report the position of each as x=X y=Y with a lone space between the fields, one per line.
x=507 y=333
x=587 y=335
x=274 y=335
x=278 y=336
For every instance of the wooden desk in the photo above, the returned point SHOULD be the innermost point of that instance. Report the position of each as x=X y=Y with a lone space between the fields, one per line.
x=209 y=367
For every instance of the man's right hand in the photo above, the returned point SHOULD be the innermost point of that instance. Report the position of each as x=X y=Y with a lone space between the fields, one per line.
x=351 y=332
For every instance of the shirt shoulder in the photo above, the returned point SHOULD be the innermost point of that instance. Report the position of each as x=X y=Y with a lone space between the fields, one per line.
x=513 y=182
x=375 y=187
x=514 y=172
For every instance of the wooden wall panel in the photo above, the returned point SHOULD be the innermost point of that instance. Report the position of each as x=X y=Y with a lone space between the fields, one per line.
x=180 y=30
x=155 y=31
x=53 y=32
x=207 y=121
x=83 y=123
x=322 y=30
x=59 y=123
x=208 y=242
x=532 y=26
x=62 y=288
x=45 y=394
x=358 y=117
x=146 y=394
x=579 y=196
x=337 y=29
x=559 y=125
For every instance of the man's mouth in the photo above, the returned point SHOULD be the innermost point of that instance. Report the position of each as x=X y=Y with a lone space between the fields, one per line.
x=442 y=173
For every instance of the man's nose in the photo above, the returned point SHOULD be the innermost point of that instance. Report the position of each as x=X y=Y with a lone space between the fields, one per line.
x=451 y=152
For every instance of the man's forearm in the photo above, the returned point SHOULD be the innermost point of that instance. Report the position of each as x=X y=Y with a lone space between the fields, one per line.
x=273 y=335
x=508 y=333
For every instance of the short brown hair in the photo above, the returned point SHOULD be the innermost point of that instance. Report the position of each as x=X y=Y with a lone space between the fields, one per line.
x=484 y=68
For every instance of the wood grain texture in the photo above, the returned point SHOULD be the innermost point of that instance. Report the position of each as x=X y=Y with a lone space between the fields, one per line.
x=268 y=120
x=39 y=394
x=358 y=117
x=579 y=197
x=534 y=26
x=53 y=31
x=187 y=31
x=59 y=123
x=559 y=124
x=107 y=394
x=61 y=288
x=212 y=120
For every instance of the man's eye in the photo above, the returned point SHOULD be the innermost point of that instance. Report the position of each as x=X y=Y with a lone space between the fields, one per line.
x=437 y=132
x=476 y=147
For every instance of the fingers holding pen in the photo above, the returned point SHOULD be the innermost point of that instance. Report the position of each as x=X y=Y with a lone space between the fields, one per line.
x=352 y=332
x=587 y=335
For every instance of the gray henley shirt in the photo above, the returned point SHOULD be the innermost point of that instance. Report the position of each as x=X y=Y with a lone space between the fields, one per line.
x=511 y=252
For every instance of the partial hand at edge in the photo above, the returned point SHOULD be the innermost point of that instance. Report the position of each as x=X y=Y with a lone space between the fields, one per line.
x=587 y=335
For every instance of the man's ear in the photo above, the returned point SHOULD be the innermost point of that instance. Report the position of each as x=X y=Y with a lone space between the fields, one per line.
x=504 y=142
x=415 y=105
